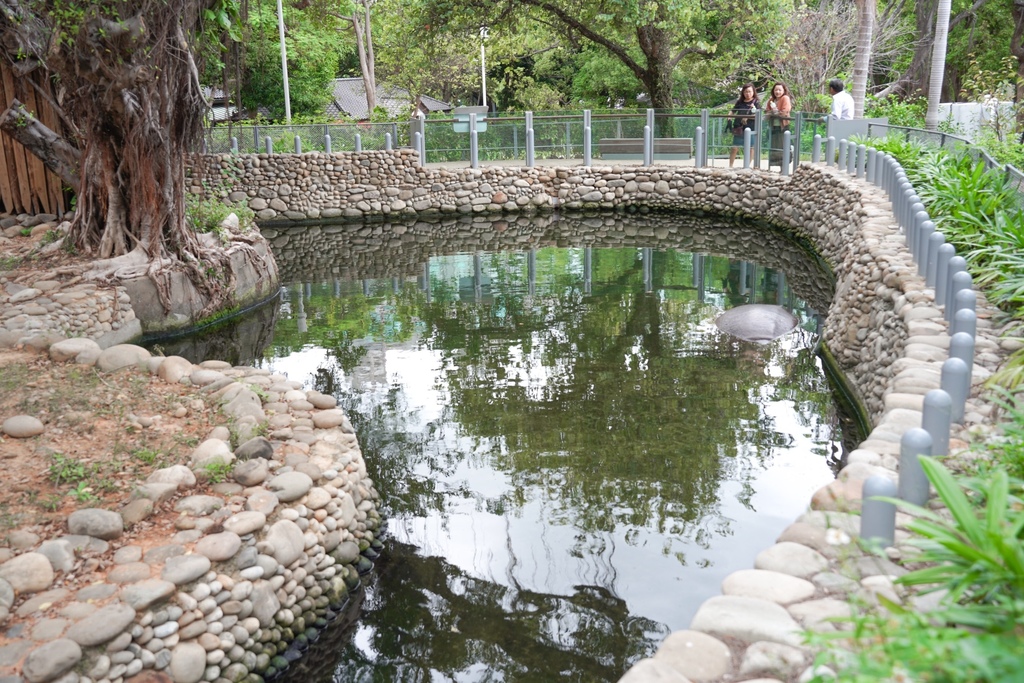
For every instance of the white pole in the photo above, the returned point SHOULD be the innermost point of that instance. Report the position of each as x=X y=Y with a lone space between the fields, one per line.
x=284 y=64
x=483 y=63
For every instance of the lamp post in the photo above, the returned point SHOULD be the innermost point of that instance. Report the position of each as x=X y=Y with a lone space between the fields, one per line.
x=483 y=63
x=284 y=64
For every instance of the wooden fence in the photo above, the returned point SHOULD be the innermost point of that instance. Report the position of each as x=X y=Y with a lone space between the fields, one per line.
x=26 y=185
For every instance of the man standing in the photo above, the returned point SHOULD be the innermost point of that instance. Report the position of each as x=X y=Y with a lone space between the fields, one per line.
x=842 y=102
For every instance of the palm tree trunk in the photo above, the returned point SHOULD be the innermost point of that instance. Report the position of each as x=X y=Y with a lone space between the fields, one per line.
x=931 y=118
x=862 y=60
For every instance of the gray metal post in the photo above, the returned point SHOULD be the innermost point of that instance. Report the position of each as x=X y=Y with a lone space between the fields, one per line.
x=387 y=142
x=586 y=138
x=961 y=346
x=327 y=144
x=359 y=142
x=959 y=285
x=956 y=381
x=698 y=142
x=649 y=139
x=915 y=217
x=957 y=264
x=965 y=321
x=747 y=135
x=919 y=217
x=935 y=240
x=843 y=149
x=268 y=144
x=945 y=255
x=474 y=158
x=796 y=136
x=924 y=234
x=234 y=145
x=935 y=418
x=877 y=517
x=298 y=145
x=417 y=141
x=816 y=149
x=830 y=151
x=870 y=171
x=913 y=484
x=965 y=299
x=785 y=152
x=529 y=138
x=851 y=158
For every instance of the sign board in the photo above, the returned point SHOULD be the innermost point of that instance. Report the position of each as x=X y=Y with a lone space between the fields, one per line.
x=461 y=116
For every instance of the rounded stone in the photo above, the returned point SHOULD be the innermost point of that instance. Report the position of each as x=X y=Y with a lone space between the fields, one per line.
x=759 y=323
x=219 y=547
x=768 y=585
x=696 y=655
x=245 y=522
x=97 y=523
x=27 y=573
x=22 y=427
x=103 y=625
x=53 y=659
x=188 y=663
x=290 y=486
x=122 y=356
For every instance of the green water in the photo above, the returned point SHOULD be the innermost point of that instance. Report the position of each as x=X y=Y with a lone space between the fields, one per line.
x=571 y=455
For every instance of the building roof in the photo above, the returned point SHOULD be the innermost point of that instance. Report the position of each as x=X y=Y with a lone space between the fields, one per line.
x=349 y=99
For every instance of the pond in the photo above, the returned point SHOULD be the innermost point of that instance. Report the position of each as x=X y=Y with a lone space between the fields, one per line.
x=571 y=455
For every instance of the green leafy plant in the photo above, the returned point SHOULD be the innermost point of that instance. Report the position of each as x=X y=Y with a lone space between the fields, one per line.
x=50 y=236
x=216 y=472
x=65 y=470
x=976 y=557
x=83 y=493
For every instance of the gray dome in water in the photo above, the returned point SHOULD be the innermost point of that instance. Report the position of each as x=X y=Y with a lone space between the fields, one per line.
x=757 y=322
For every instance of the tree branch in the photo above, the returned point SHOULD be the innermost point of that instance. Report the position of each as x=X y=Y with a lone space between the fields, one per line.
x=56 y=153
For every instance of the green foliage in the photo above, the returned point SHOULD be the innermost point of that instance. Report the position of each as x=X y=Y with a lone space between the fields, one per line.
x=978 y=555
x=83 y=493
x=976 y=558
x=65 y=470
x=1008 y=449
x=980 y=215
x=50 y=236
x=217 y=472
x=206 y=213
x=900 y=112
x=313 y=52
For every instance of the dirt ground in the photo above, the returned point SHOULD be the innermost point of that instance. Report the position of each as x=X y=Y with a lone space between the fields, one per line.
x=103 y=432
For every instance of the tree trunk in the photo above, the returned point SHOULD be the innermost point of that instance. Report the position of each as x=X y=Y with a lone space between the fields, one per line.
x=56 y=153
x=364 y=45
x=1017 y=50
x=917 y=76
x=862 y=59
x=931 y=118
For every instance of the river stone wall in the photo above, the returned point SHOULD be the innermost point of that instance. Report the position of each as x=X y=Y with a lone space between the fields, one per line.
x=822 y=206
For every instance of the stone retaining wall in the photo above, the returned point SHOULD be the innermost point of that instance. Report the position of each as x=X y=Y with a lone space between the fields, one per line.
x=817 y=204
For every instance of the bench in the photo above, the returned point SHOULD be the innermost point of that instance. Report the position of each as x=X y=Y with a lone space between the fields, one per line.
x=665 y=149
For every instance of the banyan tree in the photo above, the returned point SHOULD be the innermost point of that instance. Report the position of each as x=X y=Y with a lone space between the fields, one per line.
x=124 y=78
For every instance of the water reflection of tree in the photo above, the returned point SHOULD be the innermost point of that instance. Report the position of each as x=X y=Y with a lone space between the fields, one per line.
x=449 y=625
x=584 y=395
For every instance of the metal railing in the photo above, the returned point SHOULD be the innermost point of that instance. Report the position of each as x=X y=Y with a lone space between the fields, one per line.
x=570 y=136
x=1013 y=176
